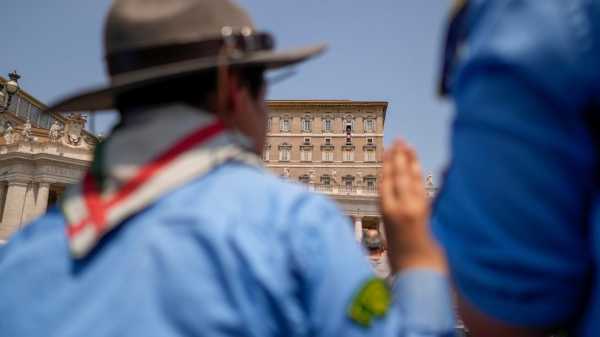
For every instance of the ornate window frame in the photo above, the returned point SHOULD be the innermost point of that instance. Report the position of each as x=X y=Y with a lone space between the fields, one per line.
x=267 y=152
x=287 y=148
x=349 y=119
x=371 y=119
x=327 y=118
x=306 y=123
x=370 y=182
x=282 y=123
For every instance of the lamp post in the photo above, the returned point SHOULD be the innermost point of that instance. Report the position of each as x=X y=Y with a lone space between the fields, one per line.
x=8 y=90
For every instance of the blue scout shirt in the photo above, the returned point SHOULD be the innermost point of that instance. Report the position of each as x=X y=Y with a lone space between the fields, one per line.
x=237 y=252
x=518 y=211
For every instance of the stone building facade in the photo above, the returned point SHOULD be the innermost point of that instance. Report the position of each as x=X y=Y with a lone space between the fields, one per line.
x=40 y=155
x=334 y=147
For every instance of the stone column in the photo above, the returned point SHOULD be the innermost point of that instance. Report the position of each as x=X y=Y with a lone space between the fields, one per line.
x=41 y=201
x=13 y=210
x=381 y=228
x=29 y=205
x=358 y=230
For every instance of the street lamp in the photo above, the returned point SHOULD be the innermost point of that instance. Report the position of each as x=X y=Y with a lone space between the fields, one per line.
x=8 y=90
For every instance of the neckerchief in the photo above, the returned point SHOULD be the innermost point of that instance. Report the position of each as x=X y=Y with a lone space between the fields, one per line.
x=166 y=148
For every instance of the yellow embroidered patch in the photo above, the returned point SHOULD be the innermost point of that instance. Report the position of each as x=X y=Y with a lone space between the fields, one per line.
x=372 y=301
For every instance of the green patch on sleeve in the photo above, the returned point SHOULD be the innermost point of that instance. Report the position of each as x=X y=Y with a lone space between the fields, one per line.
x=372 y=301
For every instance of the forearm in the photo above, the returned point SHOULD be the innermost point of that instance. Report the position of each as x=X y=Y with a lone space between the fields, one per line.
x=423 y=296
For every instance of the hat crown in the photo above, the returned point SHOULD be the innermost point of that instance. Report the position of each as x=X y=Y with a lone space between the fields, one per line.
x=134 y=24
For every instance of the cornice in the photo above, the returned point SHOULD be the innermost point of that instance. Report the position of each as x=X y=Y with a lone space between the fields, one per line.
x=42 y=158
x=325 y=103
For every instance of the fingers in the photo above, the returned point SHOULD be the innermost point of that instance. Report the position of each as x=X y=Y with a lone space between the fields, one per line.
x=415 y=172
x=386 y=185
x=401 y=173
x=413 y=163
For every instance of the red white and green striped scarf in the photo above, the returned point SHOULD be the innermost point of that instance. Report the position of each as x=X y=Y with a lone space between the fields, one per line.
x=138 y=164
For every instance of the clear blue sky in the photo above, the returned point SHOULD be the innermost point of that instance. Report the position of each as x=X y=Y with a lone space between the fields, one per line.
x=379 y=50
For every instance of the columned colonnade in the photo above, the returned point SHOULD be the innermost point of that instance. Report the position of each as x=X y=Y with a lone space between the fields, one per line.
x=20 y=202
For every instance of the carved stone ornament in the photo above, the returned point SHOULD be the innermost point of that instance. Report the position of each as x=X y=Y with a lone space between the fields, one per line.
x=311 y=175
x=429 y=181
x=286 y=172
x=55 y=132
x=26 y=133
x=74 y=128
x=8 y=133
x=91 y=141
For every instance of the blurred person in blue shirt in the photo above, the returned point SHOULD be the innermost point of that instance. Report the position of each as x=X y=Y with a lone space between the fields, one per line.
x=518 y=210
x=177 y=229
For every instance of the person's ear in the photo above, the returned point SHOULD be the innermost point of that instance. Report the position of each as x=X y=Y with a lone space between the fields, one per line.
x=234 y=93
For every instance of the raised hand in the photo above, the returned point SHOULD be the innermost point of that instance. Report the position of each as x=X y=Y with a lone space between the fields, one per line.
x=405 y=207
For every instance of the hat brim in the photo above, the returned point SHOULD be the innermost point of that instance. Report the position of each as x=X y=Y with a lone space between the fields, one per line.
x=101 y=98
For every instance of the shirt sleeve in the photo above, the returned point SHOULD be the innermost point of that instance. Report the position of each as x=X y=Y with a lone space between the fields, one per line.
x=333 y=270
x=513 y=213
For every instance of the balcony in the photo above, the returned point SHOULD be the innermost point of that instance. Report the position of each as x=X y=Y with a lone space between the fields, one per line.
x=344 y=190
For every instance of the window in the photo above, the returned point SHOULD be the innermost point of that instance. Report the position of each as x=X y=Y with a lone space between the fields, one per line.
x=327 y=125
x=369 y=140
x=348 y=155
x=305 y=179
x=284 y=125
x=327 y=150
x=306 y=154
x=370 y=182
x=284 y=155
x=326 y=180
x=349 y=122
x=327 y=155
x=348 y=182
x=369 y=125
x=306 y=141
x=285 y=152
x=370 y=155
x=306 y=125
x=267 y=153
x=269 y=122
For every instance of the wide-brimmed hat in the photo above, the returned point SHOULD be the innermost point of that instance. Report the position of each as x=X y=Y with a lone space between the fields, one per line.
x=148 y=41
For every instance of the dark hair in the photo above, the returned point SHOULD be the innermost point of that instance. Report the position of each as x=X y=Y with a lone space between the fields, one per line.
x=193 y=89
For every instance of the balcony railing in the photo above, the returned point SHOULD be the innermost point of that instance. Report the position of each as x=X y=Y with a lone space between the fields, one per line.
x=344 y=189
